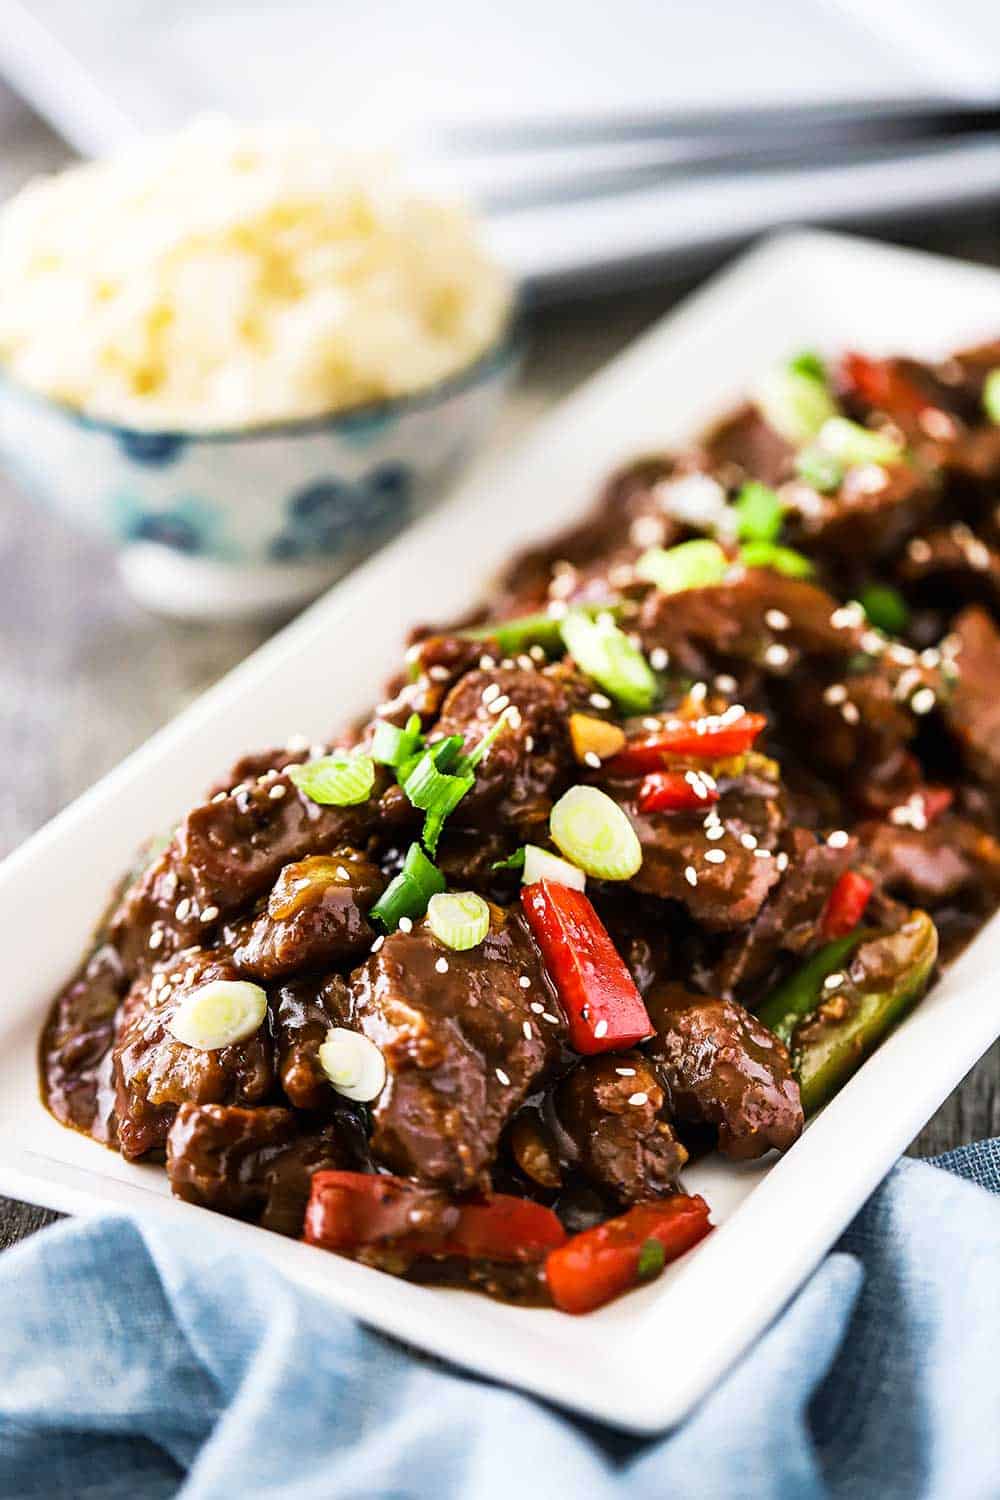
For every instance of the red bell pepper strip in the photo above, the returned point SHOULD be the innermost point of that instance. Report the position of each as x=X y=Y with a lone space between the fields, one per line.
x=879 y=384
x=349 y=1211
x=604 y=1010
x=672 y=791
x=601 y=1263
x=846 y=905
x=706 y=739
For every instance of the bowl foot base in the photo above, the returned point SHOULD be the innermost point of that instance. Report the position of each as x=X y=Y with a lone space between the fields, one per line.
x=197 y=588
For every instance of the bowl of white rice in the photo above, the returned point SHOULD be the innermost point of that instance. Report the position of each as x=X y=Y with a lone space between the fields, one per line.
x=245 y=355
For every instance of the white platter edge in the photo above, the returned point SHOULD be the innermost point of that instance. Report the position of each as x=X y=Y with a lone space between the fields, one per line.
x=645 y=1361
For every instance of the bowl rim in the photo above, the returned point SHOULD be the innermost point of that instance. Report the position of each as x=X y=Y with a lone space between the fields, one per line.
x=496 y=358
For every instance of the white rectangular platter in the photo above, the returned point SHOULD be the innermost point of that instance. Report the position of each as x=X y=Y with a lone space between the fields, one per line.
x=643 y=1362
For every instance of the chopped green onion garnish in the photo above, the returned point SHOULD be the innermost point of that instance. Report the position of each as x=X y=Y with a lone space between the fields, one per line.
x=652 y=1259
x=819 y=468
x=353 y=1064
x=808 y=362
x=759 y=513
x=513 y=861
x=219 y=1014
x=795 y=403
x=850 y=443
x=991 y=396
x=885 y=607
x=781 y=559
x=594 y=833
x=604 y=653
x=340 y=780
x=459 y=919
x=691 y=565
x=392 y=746
x=408 y=894
x=515 y=636
x=539 y=864
x=436 y=792
x=469 y=762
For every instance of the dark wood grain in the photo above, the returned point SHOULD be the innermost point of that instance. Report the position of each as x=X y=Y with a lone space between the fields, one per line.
x=86 y=675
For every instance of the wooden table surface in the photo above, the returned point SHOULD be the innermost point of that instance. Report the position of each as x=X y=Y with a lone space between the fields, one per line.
x=86 y=675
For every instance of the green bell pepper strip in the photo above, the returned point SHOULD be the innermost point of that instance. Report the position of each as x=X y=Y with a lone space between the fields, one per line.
x=515 y=636
x=801 y=992
x=898 y=967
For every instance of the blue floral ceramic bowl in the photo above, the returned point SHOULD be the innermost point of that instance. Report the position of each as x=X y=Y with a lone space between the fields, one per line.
x=258 y=520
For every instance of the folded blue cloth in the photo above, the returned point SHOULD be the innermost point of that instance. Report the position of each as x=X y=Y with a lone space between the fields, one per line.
x=137 y=1364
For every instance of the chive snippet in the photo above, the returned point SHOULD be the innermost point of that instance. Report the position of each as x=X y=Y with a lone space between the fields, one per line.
x=340 y=780
x=780 y=559
x=759 y=513
x=795 y=403
x=408 y=894
x=392 y=746
x=690 y=565
x=517 y=635
x=819 y=468
x=594 y=834
x=459 y=919
x=851 y=444
x=607 y=655
x=885 y=607
x=991 y=395
x=434 y=791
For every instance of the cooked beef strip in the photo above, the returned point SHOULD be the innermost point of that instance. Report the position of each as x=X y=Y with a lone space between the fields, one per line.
x=314 y=917
x=612 y=1108
x=77 y=1043
x=745 y=446
x=302 y=1014
x=787 y=921
x=973 y=710
x=930 y=866
x=154 y=1074
x=721 y=1067
x=249 y=1163
x=462 y=1045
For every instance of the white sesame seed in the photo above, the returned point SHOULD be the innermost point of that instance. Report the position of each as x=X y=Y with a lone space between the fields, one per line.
x=835 y=693
x=714 y=831
x=839 y=839
x=849 y=713
x=498 y=705
x=209 y=913
x=748 y=841
x=527 y=1030
x=638 y=1099
x=591 y=758
x=490 y=691
x=762 y=854
x=919 y=550
x=378 y=942
x=923 y=701
x=601 y=1029
x=647 y=531
x=781 y=863
x=486 y=663
x=502 y=1077
x=833 y=981
x=182 y=909
x=599 y=700
x=405 y=924
x=168 y=885
x=777 y=619
x=441 y=965
x=277 y=792
x=525 y=982
x=847 y=616
x=536 y=653
x=156 y=937
x=659 y=659
x=548 y=1016
x=438 y=673
x=537 y=1007
x=777 y=655
x=651 y=724
x=525 y=663
x=529 y=743
x=715 y=856
x=220 y=796
x=873 y=644
x=725 y=683
x=557 y=610
x=625 y=1072
x=691 y=875
x=699 y=692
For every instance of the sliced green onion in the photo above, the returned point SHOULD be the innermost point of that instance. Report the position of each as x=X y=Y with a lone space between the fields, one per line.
x=408 y=894
x=691 y=565
x=795 y=403
x=604 y=653
x=652 y=1259
x=392 y=746
x=885 y=607
x=759 y=513
x=808 y=362
x=819 y=468
x=459 y=919
x=435 y=792
x=353 y=1064
x=515 y=636
x=539 y=864
x=991 y=395
x=339 y=780
x=219 y=1014
x=780 y=559
x=594 y=833
x=513 y=861
x=851 y=444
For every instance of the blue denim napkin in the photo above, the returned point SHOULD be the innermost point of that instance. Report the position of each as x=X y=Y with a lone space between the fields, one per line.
x=136 y=1364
